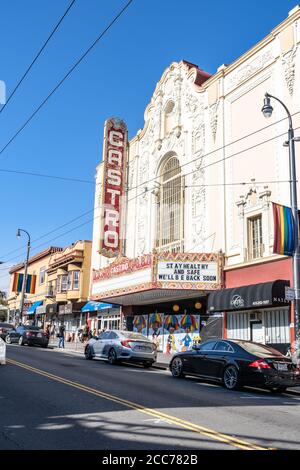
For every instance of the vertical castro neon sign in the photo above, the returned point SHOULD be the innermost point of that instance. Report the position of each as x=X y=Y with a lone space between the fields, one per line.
x=114 y=158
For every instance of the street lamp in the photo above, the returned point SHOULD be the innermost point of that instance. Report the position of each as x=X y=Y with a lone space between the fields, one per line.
x=267 y=110
x=25 y=271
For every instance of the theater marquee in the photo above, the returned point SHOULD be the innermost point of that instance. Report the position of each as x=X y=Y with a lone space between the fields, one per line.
x=114 y=158
x=157 y=277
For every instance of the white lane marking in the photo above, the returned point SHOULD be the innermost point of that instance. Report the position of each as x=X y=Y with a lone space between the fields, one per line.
x=156 y=421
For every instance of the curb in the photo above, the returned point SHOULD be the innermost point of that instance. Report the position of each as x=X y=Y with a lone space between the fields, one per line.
x=160 y=365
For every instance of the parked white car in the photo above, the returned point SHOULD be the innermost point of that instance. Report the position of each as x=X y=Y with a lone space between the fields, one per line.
x=2 y=352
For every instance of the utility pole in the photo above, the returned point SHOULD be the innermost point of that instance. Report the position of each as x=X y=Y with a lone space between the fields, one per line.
x=267 y=110
x=25 y=271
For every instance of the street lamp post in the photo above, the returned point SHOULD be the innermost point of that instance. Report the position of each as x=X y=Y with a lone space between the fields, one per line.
x=267 y=110
x=25 y=270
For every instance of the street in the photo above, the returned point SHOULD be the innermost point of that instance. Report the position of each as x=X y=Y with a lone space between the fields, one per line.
x=53 y=400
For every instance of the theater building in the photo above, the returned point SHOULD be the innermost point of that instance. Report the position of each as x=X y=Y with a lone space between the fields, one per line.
x=183 y=211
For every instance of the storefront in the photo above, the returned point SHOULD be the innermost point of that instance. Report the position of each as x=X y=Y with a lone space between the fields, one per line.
x=47 y=314
x=71 y=316
x=258 y=312
x=162 y=295
x=102 y=316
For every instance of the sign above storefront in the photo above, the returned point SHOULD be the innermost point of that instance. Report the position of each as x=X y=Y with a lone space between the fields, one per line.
x=266 y=294
x=114 y=158
x=158 y=274
x=187 y=272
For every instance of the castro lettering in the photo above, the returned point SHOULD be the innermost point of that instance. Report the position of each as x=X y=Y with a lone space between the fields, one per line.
x=113 y=186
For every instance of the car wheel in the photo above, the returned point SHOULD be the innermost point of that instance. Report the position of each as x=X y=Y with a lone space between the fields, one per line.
x=21 y=342
x=112 y=356
x=231 y=379
x=8 y=339
x=279 y=389
x=177 y=367
x=45 y=346
x=88 y=353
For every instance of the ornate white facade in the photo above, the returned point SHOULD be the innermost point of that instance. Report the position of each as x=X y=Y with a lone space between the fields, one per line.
x=232 y=159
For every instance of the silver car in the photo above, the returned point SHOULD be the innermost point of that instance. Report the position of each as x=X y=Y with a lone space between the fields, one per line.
x=117 y=346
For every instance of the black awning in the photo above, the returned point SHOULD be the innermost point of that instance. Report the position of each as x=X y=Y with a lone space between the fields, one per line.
x=266 y=294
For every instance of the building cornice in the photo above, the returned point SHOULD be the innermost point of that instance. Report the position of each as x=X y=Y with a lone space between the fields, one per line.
x=253 y=50
x=43 y=254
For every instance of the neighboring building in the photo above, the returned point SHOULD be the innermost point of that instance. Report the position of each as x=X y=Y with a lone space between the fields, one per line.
x=62 y=286
x=38 y=265
x=196 y=183
x=68 y=277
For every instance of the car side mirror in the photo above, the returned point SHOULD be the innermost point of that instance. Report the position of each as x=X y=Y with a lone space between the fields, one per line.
x=196 y=347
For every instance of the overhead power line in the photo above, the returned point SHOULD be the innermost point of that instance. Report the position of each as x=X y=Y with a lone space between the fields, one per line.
x=42 y=104
x=85 y=181
x=37 y=56
x=222 y=147
x=44 y=175
x=144 y=183
x=146 y=189
x=43 y=236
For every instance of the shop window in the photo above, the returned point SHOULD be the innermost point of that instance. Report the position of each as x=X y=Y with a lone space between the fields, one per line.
x=170 y=207
x=255 y=245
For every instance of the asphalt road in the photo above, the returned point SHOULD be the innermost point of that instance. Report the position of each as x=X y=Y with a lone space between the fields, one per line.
x=52 y=400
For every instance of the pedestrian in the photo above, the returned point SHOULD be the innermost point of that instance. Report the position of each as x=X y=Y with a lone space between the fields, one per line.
x=85 y=333
x=61 y=336
x=47 y=331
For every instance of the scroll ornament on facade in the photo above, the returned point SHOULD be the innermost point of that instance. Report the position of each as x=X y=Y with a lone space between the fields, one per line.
x=213 y=118
x=288 y=62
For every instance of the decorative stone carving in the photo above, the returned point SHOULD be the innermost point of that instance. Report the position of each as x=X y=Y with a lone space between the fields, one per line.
x=250 y=68
x=144 y=168
x=191 y=103
x=288 y=62
x=131 y=172
x=213 y=119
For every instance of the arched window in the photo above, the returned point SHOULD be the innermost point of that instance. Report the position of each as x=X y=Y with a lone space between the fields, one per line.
x=170 y=208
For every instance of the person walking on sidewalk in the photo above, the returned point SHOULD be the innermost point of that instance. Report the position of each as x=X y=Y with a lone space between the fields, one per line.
x=61 y=336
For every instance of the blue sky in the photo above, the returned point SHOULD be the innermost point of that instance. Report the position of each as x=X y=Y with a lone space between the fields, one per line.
x=116 y=79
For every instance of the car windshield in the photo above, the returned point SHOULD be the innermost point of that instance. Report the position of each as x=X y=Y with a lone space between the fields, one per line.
x=32 y=328
x=132 y=335
x=259 y=349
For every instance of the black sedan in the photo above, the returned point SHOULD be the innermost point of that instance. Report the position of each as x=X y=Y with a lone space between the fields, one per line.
x=31 y=335
x=235 y=363
x=5 y=328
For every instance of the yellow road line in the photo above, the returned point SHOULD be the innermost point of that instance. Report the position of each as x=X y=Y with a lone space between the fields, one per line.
x=149 y=411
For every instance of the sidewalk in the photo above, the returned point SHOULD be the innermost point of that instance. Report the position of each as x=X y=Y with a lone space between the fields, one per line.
x=162 y=359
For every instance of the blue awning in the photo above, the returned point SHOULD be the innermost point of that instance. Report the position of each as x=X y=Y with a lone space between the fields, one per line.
x=96 y=306
x=33 y=307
